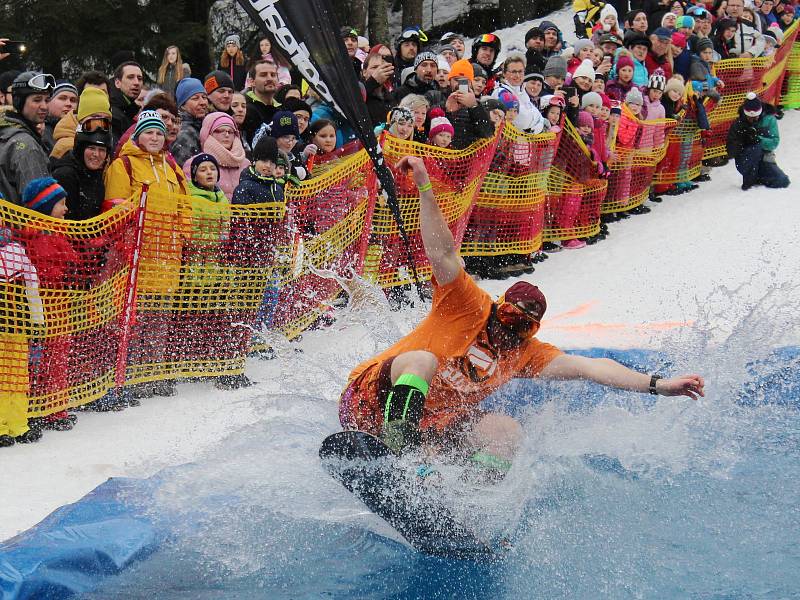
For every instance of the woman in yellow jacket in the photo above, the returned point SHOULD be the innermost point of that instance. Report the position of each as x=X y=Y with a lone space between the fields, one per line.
x=143 y=160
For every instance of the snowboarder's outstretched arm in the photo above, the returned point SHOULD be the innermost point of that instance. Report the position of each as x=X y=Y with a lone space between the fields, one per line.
x=606 y=371
x=440 y=247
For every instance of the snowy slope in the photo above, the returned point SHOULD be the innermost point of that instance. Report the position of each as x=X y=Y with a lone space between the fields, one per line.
x=696 y=262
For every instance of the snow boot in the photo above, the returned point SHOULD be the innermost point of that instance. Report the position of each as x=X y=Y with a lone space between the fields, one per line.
x=573 y=244
x=6 y=441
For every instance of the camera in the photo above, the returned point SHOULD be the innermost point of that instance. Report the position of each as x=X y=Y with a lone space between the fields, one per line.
x=14 y=47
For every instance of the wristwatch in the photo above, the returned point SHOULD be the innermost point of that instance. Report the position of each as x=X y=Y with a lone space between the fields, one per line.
x=653 y=379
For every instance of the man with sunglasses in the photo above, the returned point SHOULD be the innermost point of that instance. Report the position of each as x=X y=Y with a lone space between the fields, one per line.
x=427 y=388
x=23 y=154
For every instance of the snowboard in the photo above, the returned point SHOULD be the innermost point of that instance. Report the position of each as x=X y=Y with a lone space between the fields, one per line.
x=369 y=469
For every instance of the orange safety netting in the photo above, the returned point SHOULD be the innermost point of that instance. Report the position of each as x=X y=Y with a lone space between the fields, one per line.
x=575 y=191
x=63 y=287
x=762 y=75
x=640 y=146
x=456 y=176
x=508 y=217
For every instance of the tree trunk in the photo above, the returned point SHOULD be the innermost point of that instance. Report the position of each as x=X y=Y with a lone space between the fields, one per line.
x=358 y=15
x=412 y=12
x=512 y=12
x=379 y=22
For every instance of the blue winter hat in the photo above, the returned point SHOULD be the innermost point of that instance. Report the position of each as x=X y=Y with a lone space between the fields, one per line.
x=187 y=88
x=148 y=119
x=43 y=194
x=663 y=33
x=284 y=123
x=509 y=100
x=198 y=160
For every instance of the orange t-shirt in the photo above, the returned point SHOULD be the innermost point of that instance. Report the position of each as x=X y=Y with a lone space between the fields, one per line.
x=470 y=368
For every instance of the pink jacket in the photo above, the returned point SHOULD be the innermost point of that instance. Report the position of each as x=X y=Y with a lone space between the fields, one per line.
x=231 y=162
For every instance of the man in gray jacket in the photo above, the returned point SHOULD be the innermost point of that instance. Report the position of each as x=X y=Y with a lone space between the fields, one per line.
x=23 y=156
x=748 y=42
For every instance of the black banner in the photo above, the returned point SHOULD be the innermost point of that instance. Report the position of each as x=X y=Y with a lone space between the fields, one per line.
x=310 y=36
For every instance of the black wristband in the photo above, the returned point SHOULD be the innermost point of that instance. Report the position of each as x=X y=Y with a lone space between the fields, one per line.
x=652 y=388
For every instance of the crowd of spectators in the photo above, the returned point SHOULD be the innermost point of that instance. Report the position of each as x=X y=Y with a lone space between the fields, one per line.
x=244 y=131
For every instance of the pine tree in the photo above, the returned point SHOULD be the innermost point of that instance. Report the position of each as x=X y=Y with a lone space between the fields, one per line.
x=67 y=38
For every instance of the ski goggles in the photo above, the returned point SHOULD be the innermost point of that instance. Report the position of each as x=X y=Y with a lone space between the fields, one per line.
x=487 y=38
x=698 y=12
x=95 y=124
x=41 y=82
x=414 y=33
x=512 y=316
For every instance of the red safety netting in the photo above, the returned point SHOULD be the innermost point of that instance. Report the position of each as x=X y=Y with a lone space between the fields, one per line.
x=508 y=217
x=575 y=191
x=331 y=214
x=640 y=146
x=456 y=176
x=63 y=286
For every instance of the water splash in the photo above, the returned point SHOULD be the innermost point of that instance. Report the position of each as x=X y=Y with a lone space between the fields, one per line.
x=611 y=495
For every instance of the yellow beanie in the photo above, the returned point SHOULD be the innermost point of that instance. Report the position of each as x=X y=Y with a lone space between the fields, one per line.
x=93 y=101
x=462 y=68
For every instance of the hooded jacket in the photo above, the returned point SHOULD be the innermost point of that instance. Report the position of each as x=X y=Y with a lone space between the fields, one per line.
x=123 y=112
x=747 y=39
x=210 y=218
x=529 y=119
x=231 y=162
x=187 y=144
x=22 y=156
x=255 y=189
x=64 y=135
x=162 y=247
x=766 y=129
x=470 y=124
x=85 y=189
x=151 y=169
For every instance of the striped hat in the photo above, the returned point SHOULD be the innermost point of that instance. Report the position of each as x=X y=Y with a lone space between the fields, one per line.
x=148 y=119
x=43 y=194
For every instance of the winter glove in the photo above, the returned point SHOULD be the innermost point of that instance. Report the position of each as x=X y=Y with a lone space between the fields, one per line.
x=750 y=136
x=310 y=150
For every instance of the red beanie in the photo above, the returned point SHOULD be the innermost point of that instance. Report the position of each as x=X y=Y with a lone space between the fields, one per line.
x=522 y=291
x=624 y=61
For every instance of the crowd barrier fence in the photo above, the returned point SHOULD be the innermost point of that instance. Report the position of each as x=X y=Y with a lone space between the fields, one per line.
x=169 y=286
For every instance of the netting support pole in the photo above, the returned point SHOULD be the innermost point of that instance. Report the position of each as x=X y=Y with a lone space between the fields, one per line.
x=130 y=295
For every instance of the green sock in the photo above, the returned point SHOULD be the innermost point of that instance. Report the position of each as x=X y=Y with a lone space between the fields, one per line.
x=406 y=399
x=485 y=460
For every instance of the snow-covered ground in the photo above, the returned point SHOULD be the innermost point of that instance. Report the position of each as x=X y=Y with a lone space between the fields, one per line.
x=694 y=258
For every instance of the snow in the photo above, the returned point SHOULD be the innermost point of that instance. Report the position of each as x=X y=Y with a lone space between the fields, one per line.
x=650 y=281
